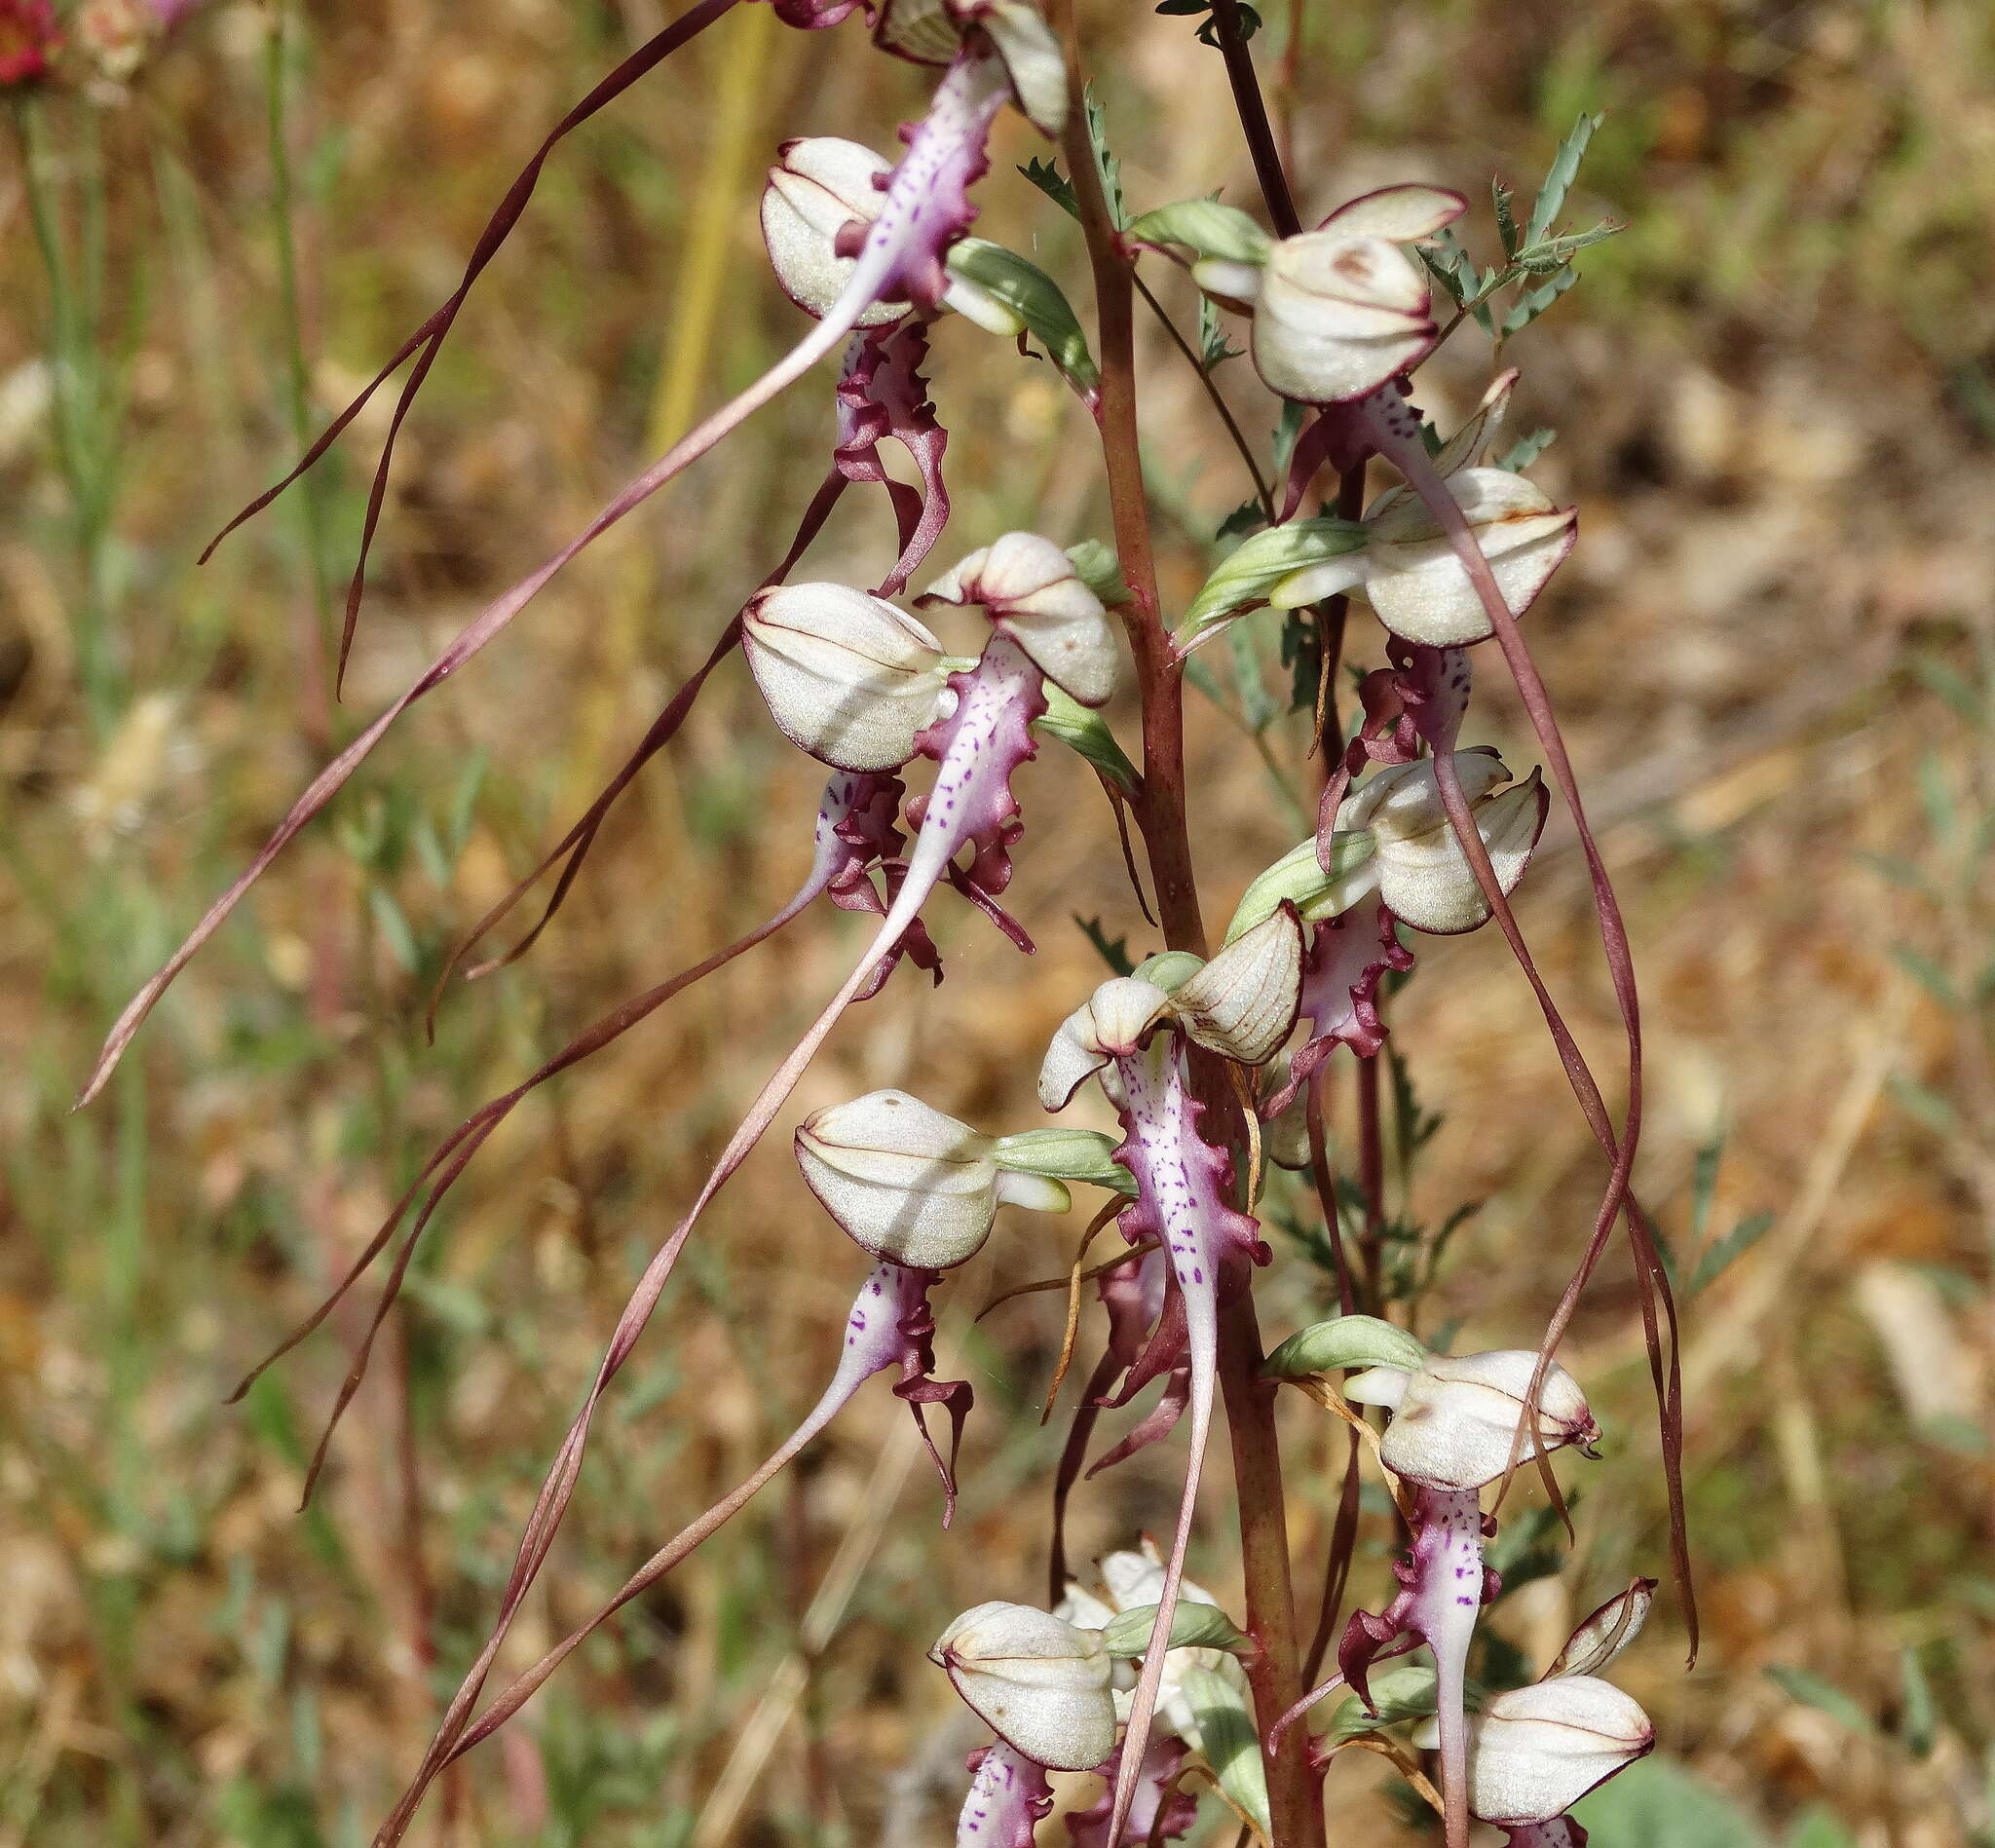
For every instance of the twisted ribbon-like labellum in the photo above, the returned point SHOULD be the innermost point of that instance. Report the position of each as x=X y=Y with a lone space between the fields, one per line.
x=853 y=830
x=889 y=1324
x=900 y=254
x=1243 y=1004
x=1444 y=1588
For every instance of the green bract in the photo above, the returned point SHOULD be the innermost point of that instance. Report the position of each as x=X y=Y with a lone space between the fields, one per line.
x=1230 y=1741
x=1087 y=732
x=1298 y=878
x=1064 y=1155
x=1032 y=295
x=1193 y=1626
x=1247 y=575
x=1344 y=1340
x=1206 y=226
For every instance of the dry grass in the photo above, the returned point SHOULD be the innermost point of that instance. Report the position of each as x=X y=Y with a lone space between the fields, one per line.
x=1775 y=409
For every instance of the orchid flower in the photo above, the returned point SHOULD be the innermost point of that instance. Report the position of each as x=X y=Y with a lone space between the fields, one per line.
x=924 y=209
x=1340 y=310
x=1456 y=1424
x=846 y=676
x=911 y=1184
x=1405 y=565
x=1392 y=838
x=1133 y=1034
x=1408 y=571
x=1535 y=1750
x=819 y=185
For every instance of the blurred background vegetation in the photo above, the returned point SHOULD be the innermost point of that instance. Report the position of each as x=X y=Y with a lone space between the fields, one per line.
x=1774 y=400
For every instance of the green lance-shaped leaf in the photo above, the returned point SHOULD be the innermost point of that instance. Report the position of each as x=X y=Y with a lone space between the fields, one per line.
x=1232 y=1742
x=1344 y=1340
x=1205 y=226
x=1246 y=576
x=1195 y=1625
x=1064 y=1155
x=1033 y=298
x=1551 y=199
x=1082 y=730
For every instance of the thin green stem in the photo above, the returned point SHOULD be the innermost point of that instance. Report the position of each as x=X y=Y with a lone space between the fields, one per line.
x=1261 y=492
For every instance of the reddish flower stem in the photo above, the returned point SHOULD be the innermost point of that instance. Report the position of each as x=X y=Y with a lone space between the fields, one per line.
x=1254 y=121
x=1275 y=1676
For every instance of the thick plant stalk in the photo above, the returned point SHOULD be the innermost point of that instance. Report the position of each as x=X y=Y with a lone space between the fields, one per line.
x=1161 y=819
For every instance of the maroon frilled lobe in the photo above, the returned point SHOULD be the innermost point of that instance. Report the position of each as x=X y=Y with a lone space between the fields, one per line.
x=1161 y=1811
x=1347 y=958
x=884 y=396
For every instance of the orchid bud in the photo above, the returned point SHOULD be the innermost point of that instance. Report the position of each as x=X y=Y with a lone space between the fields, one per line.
x=1424 y=876
x=1032 y=588
x=1454 y=1422
x=847 y=677
x=1602 y=1635
x=1038 y=1682
x=1535 y=1752
x=1342 y=309
x=910 y=1184
x=819 y=185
